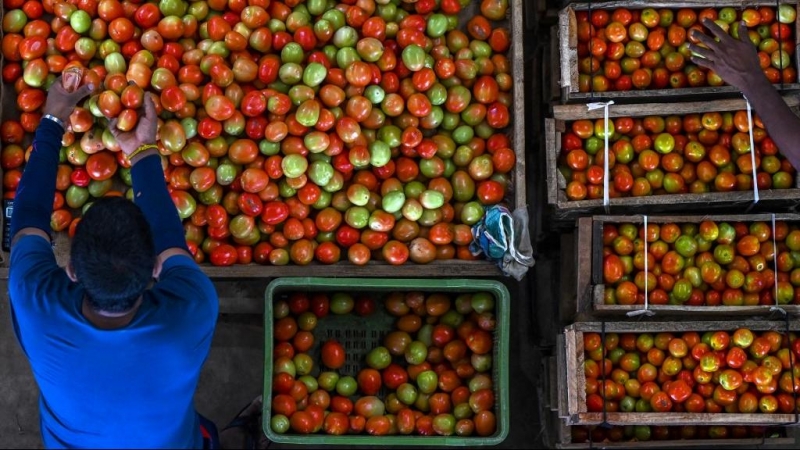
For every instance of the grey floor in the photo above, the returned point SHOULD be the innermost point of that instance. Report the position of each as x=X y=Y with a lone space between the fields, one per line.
x=233 y=373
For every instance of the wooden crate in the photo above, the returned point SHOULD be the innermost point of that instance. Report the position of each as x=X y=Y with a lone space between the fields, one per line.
x=568 y=51
x=516 y=197
x=568 y=210
x=588 y=263
x=573 y=386
x=565 y=442
x=555 y=370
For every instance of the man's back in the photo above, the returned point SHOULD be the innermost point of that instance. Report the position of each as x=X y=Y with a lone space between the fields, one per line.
x=127 y=387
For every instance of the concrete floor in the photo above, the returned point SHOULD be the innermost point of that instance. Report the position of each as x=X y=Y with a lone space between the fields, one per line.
x=233 y=373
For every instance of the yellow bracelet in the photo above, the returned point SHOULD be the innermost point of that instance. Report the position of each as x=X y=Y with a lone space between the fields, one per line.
x=141 y=149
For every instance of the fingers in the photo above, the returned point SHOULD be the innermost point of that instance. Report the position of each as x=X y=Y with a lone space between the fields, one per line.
x=703 y=52
x=715 y=29
x=112 y=127
x=743 y=34
x=706 y=40
x=149 y=108
x=79 y=93
x=704 y=63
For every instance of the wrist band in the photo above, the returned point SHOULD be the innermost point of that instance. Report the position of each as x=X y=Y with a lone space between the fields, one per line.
x=55 y=119
x=142 y=148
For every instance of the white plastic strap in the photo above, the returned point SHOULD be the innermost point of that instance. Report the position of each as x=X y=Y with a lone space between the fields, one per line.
x=646 y=311
x=592 y=107
x=753 y=154
x=777 y=307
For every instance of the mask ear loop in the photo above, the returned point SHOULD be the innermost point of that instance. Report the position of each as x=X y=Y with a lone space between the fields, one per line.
x=606 y=132
x=646 y=311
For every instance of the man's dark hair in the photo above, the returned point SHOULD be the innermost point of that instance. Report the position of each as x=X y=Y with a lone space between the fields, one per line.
x=113 y=254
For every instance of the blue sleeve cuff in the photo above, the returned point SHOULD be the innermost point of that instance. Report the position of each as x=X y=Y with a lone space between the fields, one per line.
x=150 y=194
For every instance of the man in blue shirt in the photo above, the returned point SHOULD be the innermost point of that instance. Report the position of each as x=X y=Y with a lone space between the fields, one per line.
x=116 y=354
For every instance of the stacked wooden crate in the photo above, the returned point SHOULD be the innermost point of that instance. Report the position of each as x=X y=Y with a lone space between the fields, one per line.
x=588 y=304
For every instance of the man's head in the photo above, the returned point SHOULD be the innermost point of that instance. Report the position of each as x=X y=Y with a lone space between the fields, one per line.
x=113 y=256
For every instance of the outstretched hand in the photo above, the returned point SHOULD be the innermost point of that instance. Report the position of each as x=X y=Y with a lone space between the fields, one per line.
x=60 y=103
x=144 y=133
x=735 y=60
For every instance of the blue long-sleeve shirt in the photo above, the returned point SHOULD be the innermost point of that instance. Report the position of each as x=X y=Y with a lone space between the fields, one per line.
x=131 y=387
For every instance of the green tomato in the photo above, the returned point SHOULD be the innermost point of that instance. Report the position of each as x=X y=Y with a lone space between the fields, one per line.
x=393 y=201
x=413 y=57
x=320 y=172
x=314 y=74
x=279 y=423
x=80 y=21
x=76 y=196
x=380 y=153
x=345 y=36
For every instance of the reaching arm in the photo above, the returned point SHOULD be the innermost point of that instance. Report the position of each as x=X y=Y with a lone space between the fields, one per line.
x=33 y=204
x=149 y=188
x=736 y=61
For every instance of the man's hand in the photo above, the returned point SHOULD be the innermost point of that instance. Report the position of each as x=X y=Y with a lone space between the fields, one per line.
x=145 y=132
x=60 y=103
x=735 y=60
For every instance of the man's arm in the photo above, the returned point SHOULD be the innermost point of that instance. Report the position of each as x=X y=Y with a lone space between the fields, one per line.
x=149 y=188
x=736 y=61
x=33 y=203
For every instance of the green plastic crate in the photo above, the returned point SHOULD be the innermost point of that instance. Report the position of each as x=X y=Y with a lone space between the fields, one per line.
x=359 y=335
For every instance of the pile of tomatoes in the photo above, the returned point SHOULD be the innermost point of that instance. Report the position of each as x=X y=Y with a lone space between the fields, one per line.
x=644 y=433
x=654 y=155
x=291 y=130
x=706 y=264
x=646 y=48
x=429 y=375
x=714 y=372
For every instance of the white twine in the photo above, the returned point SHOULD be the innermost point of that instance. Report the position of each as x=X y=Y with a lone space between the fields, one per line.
x=753 y=154
x=646 y=311
x=592 y=107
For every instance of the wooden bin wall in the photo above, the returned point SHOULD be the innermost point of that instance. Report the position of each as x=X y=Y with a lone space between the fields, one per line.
x=573 y=387
x=589 y=265
x=516 y=198
x=568 y=210
x=566 y=66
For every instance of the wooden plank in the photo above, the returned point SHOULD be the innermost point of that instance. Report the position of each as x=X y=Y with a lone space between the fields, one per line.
x=436 y=269
x=551 y=161
x=517 y=58
x=673 y=418
x=683 y=443
x=681 y=326
x=575 y=388
x=567 y=35
x=568 y=301
x=581 y=112
x=583 y=279
x=561 y=372
x=640 y=4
